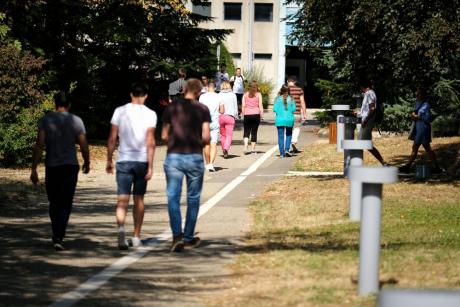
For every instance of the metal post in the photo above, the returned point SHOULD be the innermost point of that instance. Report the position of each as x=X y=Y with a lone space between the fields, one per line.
x=340 y=109
x=356 y=187
x=369 y=242
x=369 y=245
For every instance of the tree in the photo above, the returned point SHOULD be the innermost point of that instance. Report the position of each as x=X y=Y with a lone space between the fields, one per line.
x=398 y=44
x=103 y=46
x=22 y=102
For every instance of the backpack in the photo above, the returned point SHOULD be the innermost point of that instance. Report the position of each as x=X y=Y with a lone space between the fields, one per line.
x=379 y=112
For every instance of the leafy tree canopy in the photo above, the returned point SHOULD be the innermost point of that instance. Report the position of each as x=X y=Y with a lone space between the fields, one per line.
x=398 y=44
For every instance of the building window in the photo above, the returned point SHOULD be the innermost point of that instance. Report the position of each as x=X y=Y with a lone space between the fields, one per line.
x=263 y=12
x=262 y=56
x=232 y=11
x=236 y=55
x=203 y=9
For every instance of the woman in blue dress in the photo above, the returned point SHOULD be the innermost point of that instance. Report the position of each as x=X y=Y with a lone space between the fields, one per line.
x=421 y=132
x=284 y=108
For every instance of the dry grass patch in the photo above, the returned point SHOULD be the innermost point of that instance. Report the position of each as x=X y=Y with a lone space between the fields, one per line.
x=394 y=149
x=302 y=250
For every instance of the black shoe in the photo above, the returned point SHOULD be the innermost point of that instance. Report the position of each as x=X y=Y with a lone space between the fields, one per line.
x=225 y=154
x=406 y=169
x=194 y=243
x=177 y=244
x=57 y=243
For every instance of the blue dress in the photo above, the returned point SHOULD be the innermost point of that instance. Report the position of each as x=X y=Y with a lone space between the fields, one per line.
x=422 y=124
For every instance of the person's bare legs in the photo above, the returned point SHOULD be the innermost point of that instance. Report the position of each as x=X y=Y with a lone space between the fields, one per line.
x=431 y=154
x=413 y=155
x=122 y=209
x=213 y=152
x=207 y=154
x=138 y=214
x=374 y=151
x=253 y=146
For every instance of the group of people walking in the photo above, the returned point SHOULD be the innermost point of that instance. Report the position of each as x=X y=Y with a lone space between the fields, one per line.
x=192 y=124
x=199 y=114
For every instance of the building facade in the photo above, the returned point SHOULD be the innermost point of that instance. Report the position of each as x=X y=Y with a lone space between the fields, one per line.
x=259 y=33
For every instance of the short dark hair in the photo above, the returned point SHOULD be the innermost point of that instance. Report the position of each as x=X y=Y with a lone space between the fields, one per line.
x=139 y=89
x=365 y=82
x=223 y=65
x=182 y=73
x=61 y=100
x=292 y=79
x=193 y=85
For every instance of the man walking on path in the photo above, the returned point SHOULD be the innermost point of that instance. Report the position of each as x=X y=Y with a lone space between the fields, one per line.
x=368 y=113
x=59 y=131
x=237 y=82
x=213 y=101
x=186 y=130
x=297 y=94
x=221 y=76
x=176 y=88
x=134 y=126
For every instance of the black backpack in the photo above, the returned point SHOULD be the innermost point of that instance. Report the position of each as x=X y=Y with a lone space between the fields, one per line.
x=379 y=112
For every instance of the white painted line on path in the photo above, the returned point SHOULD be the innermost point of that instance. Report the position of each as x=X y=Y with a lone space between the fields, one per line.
x=98 y=280
x=312 y=174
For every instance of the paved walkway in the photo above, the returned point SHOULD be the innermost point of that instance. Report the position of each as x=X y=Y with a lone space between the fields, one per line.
x=33 y=274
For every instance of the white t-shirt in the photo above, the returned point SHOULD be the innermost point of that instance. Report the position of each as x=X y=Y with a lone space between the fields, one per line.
x=220 y=78
x=212 y=101
x=133 y=121
x=369 y=98
x=238 y=84
x=229 y=102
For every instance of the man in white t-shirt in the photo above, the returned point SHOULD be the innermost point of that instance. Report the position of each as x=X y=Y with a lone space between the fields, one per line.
x=237 y=82
x=221 y=76
x=367 y=114
x=134 y=126
x=213 y=101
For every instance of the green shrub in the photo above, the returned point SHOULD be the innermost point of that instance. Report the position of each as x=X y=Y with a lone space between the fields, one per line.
x=18 y=138
x=22 y=102
x=397 y=117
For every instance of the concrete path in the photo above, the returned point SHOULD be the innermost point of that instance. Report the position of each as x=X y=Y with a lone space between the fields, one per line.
x=33 y=274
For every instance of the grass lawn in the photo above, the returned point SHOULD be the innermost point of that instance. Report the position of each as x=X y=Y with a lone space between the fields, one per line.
x=303 y=251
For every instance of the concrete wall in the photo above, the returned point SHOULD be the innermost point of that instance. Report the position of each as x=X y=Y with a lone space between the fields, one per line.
x=265 y=36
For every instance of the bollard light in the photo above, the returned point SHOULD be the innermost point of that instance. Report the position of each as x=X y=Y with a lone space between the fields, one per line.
x=355 y=150
x=341 y=109
x=372 y=179
x=349 y=134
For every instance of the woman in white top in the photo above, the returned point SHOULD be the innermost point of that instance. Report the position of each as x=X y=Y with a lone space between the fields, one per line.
x=229 y=112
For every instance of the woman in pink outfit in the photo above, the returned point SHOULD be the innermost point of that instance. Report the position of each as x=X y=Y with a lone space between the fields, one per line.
x=229 y=112
x=253 y=111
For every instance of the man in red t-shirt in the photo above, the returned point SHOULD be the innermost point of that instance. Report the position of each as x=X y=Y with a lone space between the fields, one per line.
x=297 y=94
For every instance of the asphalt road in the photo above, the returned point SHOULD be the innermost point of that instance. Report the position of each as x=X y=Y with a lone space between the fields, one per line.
x=33 y=274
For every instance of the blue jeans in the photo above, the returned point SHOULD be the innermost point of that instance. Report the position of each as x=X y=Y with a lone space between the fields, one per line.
x=176 y=166
x=284 y=145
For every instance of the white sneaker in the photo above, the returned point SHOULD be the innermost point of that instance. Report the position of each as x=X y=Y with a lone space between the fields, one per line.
x=122 y=243
x=136 y=241
x=211 y=168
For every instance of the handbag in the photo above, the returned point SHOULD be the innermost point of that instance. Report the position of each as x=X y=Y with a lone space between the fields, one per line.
x=412 y=131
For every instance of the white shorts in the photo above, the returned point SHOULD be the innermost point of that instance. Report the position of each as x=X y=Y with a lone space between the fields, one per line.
x=215 y=133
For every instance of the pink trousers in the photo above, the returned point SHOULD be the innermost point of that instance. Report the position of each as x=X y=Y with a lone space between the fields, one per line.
x=227 y=123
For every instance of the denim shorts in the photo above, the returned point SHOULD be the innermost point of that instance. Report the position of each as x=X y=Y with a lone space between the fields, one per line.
x=131 y=175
